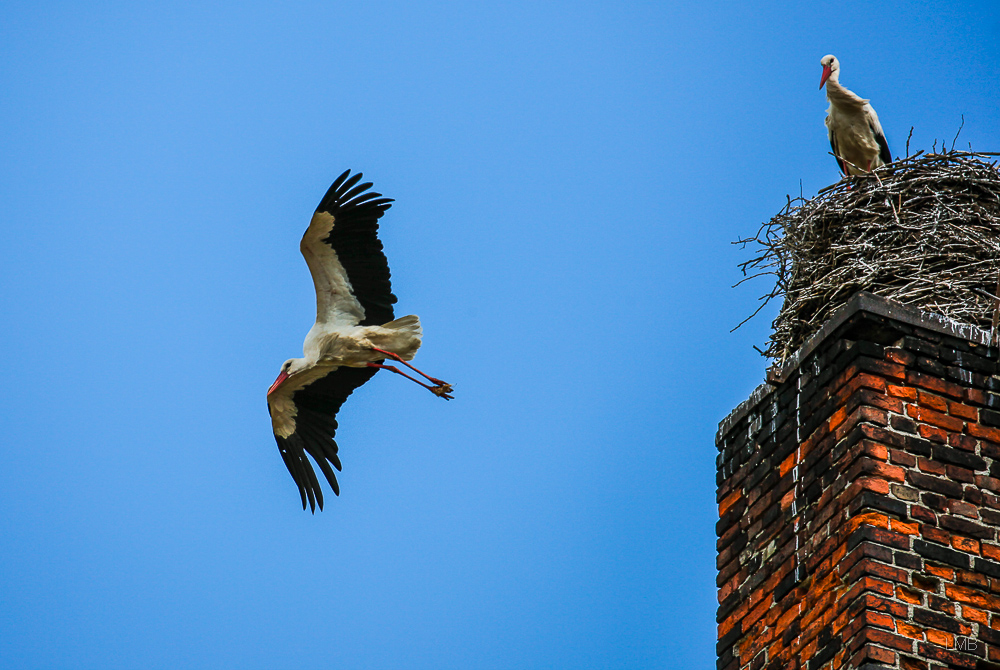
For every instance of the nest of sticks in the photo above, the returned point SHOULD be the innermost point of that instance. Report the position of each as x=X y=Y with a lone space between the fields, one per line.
x=924 y=231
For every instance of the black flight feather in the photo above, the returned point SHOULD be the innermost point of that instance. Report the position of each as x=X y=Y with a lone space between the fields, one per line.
x=315 y=426
x=354 y=238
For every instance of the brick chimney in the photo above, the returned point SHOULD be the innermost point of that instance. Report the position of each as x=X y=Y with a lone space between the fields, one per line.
x=859 y=501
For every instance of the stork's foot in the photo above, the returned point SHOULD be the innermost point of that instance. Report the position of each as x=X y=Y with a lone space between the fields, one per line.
x=442 y=390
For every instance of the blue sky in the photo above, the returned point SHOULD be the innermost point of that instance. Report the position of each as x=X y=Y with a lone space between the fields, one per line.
x=568 y=179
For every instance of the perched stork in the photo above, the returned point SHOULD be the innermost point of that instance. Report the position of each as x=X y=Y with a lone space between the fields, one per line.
x=855 y=134
x=355 y=331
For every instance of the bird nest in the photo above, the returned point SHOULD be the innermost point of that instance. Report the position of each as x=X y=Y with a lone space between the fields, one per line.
x=924 y=231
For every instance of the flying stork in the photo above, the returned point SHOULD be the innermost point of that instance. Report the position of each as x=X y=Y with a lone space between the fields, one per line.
x=855 y=134
x=355 y=332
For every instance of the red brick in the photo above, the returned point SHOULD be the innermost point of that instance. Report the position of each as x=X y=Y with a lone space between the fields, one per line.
x=940 y=571
x=876 y=585
x=925 y=415
x=990 y=483
x=902 y=458
x=901 y=356
x=875 y=602
x=908 y=595
x=727 y=588
x=940 y=638
x=933 y=467
x=912 y=664
x=936 y=384
x=905 y=527
x=975 y=396
x=975 y=597
x=890 y=640
x=933 y=434
x=873 y=484
x=982 y=432
x=880 y=620
x=970 y=613
x=935 y=534
x=936 y=403
x=756 y=613
x=868 y=518
x=964 y=508
x=880 y=655
x=965 y=544
x=875 y=450
x=963 y=411
x=974 y=578
x=729 y=501
x=909 y=630
x=837 y=418
x=964 y=442
x=788 y=463
x=904 y=392
x=870 y=567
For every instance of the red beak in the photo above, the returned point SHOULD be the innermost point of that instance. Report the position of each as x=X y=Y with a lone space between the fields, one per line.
x=826 y=75
x=277 y=382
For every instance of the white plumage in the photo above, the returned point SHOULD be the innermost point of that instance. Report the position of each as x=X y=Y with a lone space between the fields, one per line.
x=855 y=133
x=355 y=331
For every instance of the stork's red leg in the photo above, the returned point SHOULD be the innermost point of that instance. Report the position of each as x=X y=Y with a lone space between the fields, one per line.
x=397 y=358
x=441 y=390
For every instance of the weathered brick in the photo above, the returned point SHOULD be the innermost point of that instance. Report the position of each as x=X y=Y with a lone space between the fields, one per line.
x=935 y=484
x=966 y=527
x=984 y=432
x=872 y=541
x=963 y=411
x=931 y=619
x=941 y=554
x=975 y=597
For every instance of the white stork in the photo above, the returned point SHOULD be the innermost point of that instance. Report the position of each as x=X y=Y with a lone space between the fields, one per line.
x=355 y=331
x=855 y=134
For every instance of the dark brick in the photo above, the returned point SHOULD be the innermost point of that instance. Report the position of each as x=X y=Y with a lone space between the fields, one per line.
x=902 y=424
x=941 y=554
x=952 y=659
x=825 y=654
x=728 y=640
x=872 y=500
x=878 y=536
x=988 y=417
x=785 y=585
x=927 y=583
x=931 y=366
x=987 y=567
x=990 y=516
x=934 y=501
x=942 y=486
x=920 y=346
x=956 y=457
x=936 y=620
x=965 y=527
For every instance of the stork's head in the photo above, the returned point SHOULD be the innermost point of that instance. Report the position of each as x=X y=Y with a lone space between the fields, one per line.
x=288 y=368
x=830 y=65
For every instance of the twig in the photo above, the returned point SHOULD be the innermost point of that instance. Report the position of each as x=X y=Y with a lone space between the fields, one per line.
x=958 y=133
x=852 y=237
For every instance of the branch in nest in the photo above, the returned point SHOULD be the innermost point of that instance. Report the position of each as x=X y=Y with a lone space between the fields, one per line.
x=853 y=236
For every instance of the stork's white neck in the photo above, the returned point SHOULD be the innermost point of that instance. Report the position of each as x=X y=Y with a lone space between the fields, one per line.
x=840 y=96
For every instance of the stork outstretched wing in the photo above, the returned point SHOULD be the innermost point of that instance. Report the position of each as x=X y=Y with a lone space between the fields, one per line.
x=344 y=255
x=309 y=411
